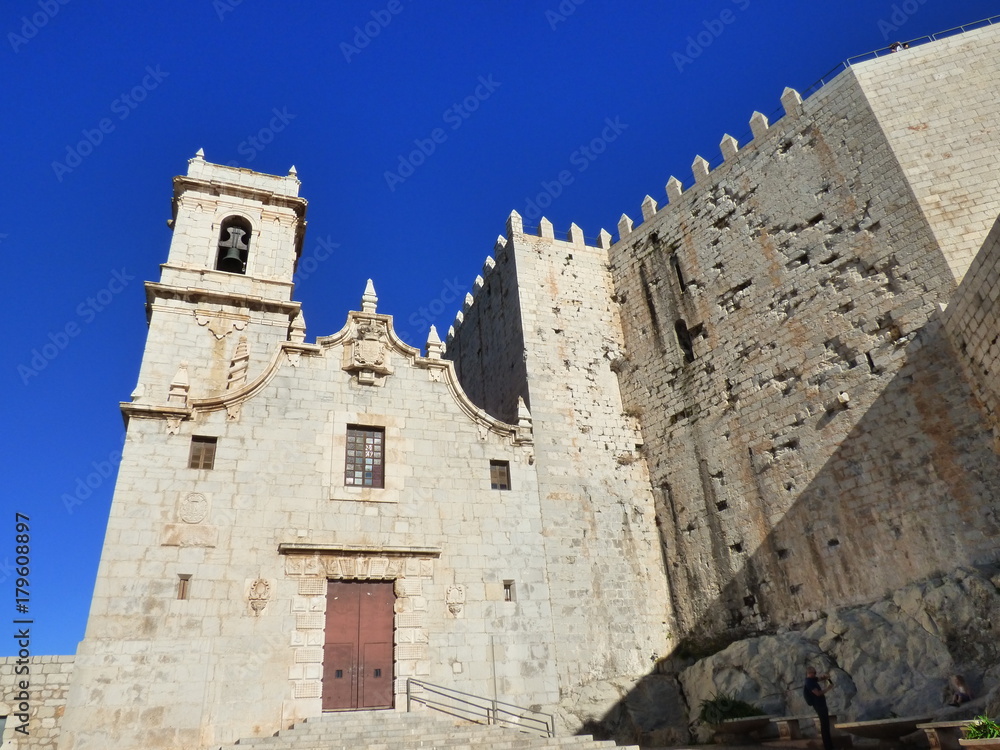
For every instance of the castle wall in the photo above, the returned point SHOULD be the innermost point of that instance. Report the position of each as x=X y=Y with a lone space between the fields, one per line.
x=489 y=353
x=157 y=672
x=937 y=105
x=809 y=437
x=608 y=593
x=973 y=325
x=48 y=680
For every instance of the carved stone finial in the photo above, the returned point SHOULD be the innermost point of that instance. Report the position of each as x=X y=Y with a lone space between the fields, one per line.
x=239 y=365
x=451 y=334
x=524 y=424
x=675 y=189
x=575 y=234
x=297 y=329
x=292 y=172
x=468 y=302
x=368 y=299
x=179 y=387
x=604 y=239
x=729 y=146
x=477 y=284
x=648 y=208
x=624 y=227
x=200 y=154
x=488 y=265
x=434 y=346
x=545 y=229
x=758 y=124
x=700 y=169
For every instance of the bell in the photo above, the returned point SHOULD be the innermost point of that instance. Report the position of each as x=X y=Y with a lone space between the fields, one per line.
x=231 y=262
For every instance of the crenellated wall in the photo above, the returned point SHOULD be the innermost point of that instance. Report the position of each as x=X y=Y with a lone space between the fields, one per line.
x=603 y=562
x=809 y=435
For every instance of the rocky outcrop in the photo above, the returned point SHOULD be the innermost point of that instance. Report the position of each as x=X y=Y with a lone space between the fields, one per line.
x=890 y=658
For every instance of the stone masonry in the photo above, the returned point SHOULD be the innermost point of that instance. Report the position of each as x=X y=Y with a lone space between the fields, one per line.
x=774 y=397
x=48 y=679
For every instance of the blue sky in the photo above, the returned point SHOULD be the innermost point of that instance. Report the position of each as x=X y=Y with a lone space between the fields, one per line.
x=415 y=127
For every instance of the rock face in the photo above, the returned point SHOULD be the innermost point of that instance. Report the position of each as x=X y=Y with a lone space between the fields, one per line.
x=892 y=657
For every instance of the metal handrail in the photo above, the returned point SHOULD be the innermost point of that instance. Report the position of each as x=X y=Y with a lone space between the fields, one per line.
x=478 y=709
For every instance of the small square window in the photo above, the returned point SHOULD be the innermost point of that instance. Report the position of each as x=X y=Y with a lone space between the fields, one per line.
x=500 y=475
x=365 y=460
x=202 y=452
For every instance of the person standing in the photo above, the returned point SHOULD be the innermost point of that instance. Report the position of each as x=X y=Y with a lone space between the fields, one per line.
x=815 y=695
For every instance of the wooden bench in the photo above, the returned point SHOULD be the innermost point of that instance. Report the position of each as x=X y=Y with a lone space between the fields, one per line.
x=789 y=728
x=738 y=731
x=944 y=735
x=886 y=731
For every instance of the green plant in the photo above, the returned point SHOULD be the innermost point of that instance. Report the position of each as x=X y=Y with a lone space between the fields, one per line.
x=982 y=728
x=721 y=706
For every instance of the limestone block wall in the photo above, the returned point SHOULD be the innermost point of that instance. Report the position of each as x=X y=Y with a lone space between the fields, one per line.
x=938 y=106
x=213 y=338
x=48 y=683
x=809 y=436
x=489 y=353
x=609 y=601
x=973 y=325
x=158 y=672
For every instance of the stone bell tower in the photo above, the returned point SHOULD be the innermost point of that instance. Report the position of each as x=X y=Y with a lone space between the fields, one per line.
x=224 y=296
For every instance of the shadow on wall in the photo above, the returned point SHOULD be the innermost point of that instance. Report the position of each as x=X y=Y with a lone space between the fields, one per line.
x=916 y=479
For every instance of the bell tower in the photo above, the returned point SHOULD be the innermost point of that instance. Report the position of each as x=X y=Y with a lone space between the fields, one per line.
x=224 y=298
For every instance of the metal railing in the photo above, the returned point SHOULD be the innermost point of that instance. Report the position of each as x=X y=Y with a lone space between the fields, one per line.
x=477 y=709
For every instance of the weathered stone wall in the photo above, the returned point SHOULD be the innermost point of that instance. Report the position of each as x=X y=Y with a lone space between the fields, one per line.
x=937 y=105
x=488 y=351
x=973 y=325
x=809 y=435
x=48 y=680
x=604 y=568
x=155 y=671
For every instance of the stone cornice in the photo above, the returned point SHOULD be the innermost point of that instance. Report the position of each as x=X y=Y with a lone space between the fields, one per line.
x=156 y=290
x=183 y=183
x=352 y=550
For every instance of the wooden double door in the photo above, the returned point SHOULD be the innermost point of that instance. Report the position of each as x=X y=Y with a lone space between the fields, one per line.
x=357 y=649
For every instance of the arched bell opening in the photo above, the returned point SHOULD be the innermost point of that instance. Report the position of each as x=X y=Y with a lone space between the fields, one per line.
x=234 y=245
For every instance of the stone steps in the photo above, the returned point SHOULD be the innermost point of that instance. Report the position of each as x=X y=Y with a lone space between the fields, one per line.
x=390 y=730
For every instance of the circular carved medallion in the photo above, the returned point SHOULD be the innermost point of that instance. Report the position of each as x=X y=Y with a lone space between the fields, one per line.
x=194 y=508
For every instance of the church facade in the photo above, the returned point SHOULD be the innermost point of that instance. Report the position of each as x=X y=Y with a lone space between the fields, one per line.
x=776 y=396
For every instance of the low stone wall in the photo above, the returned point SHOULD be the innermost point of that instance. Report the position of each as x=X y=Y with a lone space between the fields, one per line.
x=48 y=682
